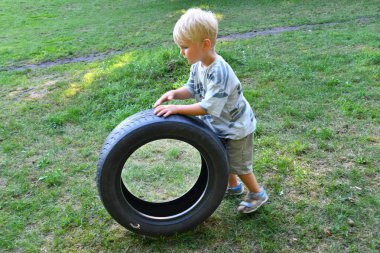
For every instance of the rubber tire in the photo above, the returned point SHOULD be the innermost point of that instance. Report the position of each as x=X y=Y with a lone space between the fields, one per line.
x=166 y=218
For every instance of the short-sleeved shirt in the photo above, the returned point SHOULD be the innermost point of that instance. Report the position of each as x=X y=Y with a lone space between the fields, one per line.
x=219 y=92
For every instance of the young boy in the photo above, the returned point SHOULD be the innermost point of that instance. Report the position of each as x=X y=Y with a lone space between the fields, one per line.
x=220 y=101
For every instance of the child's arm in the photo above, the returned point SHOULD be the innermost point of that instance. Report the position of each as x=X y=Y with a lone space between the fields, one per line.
x=180 y=93
x=166 y=110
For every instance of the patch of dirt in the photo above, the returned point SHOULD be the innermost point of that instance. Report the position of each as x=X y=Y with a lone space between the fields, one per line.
x=32 y=92
x=47 y=243
x=270 y=31
x=278 y=30
x=37 y=90
x=3 y=183
x=48 y=64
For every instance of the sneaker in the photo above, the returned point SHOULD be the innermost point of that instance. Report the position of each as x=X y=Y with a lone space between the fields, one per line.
x=253 y=201
x=234 y=191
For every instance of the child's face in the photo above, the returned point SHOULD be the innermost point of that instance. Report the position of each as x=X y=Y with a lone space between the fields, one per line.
x=193 y=52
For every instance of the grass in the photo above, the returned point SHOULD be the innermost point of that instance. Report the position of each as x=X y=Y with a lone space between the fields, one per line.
x=47 y=30
x=162 y=162
x=315 y=94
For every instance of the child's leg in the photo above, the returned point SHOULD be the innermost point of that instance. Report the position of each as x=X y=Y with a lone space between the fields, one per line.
x=250 y=181
x=232 y=180
x=256 y=197
x=240 y=160
x=234 y=186
x=239 y=154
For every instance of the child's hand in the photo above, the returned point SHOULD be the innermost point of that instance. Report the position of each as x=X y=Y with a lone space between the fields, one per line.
x=166 y=97
x=166 y=110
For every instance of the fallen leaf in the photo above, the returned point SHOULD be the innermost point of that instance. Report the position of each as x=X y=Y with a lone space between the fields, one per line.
x=351 y=222
x=327 y=232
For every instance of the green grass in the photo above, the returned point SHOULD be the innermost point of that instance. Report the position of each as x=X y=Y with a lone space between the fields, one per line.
x=36 y=31
x=159 y=163
x=315 y=94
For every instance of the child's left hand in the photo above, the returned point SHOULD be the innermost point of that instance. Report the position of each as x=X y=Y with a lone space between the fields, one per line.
x=166 y=110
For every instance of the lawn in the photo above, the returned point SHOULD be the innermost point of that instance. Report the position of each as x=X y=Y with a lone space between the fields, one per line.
x=315 y=93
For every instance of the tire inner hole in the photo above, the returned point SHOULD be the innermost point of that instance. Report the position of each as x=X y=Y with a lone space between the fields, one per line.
x=162 y=170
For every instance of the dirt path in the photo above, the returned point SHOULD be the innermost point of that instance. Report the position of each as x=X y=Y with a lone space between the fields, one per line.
x=247 y=35
x=277 y=30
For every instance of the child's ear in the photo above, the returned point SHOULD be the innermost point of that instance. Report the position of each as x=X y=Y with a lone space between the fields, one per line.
x=206 y=44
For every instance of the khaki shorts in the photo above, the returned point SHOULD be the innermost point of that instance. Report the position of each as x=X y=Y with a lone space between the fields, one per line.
x=240 y=154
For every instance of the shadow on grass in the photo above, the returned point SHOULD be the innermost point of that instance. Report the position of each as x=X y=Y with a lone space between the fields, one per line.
x=226 y=230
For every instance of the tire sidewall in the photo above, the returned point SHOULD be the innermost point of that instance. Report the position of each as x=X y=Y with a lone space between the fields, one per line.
x=128 y=140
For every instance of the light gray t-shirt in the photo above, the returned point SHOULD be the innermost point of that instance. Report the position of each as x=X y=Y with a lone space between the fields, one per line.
x=220 y=93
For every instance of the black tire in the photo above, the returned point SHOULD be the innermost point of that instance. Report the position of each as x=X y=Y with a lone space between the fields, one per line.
x=164 y=218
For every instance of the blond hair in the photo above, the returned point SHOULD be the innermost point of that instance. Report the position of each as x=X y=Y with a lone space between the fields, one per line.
x=195 y=26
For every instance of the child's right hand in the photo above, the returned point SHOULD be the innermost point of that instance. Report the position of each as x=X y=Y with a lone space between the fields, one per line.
x=166 y=97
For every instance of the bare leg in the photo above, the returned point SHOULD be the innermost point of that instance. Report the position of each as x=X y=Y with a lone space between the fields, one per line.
x=250 y=181
x=232 y=180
